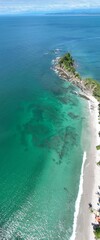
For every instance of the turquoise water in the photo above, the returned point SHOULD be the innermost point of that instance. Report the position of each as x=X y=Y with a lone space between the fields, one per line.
x=41 y=123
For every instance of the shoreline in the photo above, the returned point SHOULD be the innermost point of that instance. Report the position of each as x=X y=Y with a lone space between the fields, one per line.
x=89 y=177
x=78 y=200
x=91 y=180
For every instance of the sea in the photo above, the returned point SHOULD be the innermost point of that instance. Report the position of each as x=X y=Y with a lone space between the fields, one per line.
x=44 y=125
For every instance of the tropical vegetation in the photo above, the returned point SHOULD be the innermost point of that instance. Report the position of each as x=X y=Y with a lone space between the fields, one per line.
x=67 y=63
x=97 y=232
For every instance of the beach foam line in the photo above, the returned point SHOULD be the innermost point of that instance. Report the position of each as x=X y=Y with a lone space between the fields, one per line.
x=78 y=200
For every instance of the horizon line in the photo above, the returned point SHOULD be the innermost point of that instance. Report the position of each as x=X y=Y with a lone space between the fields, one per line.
x=78 y=11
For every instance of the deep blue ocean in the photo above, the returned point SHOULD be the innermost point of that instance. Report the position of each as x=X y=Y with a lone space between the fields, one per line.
x=41 y=123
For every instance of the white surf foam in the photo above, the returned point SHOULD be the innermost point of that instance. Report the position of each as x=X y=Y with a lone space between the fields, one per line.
x=78 y=200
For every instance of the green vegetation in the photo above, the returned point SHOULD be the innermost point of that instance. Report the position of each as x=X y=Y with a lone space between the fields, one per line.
x=98 y=147
x=98 y=163
x=93 y=85
x=67 y=62
x=77 y=75
x=97 y=233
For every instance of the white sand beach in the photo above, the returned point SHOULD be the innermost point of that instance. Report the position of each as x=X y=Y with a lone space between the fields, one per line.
x=91 y=179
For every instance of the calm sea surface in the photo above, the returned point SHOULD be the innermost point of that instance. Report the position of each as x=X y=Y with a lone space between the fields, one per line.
x=41 y=122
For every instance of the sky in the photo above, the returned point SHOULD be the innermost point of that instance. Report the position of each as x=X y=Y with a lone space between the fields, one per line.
x=18 y=6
